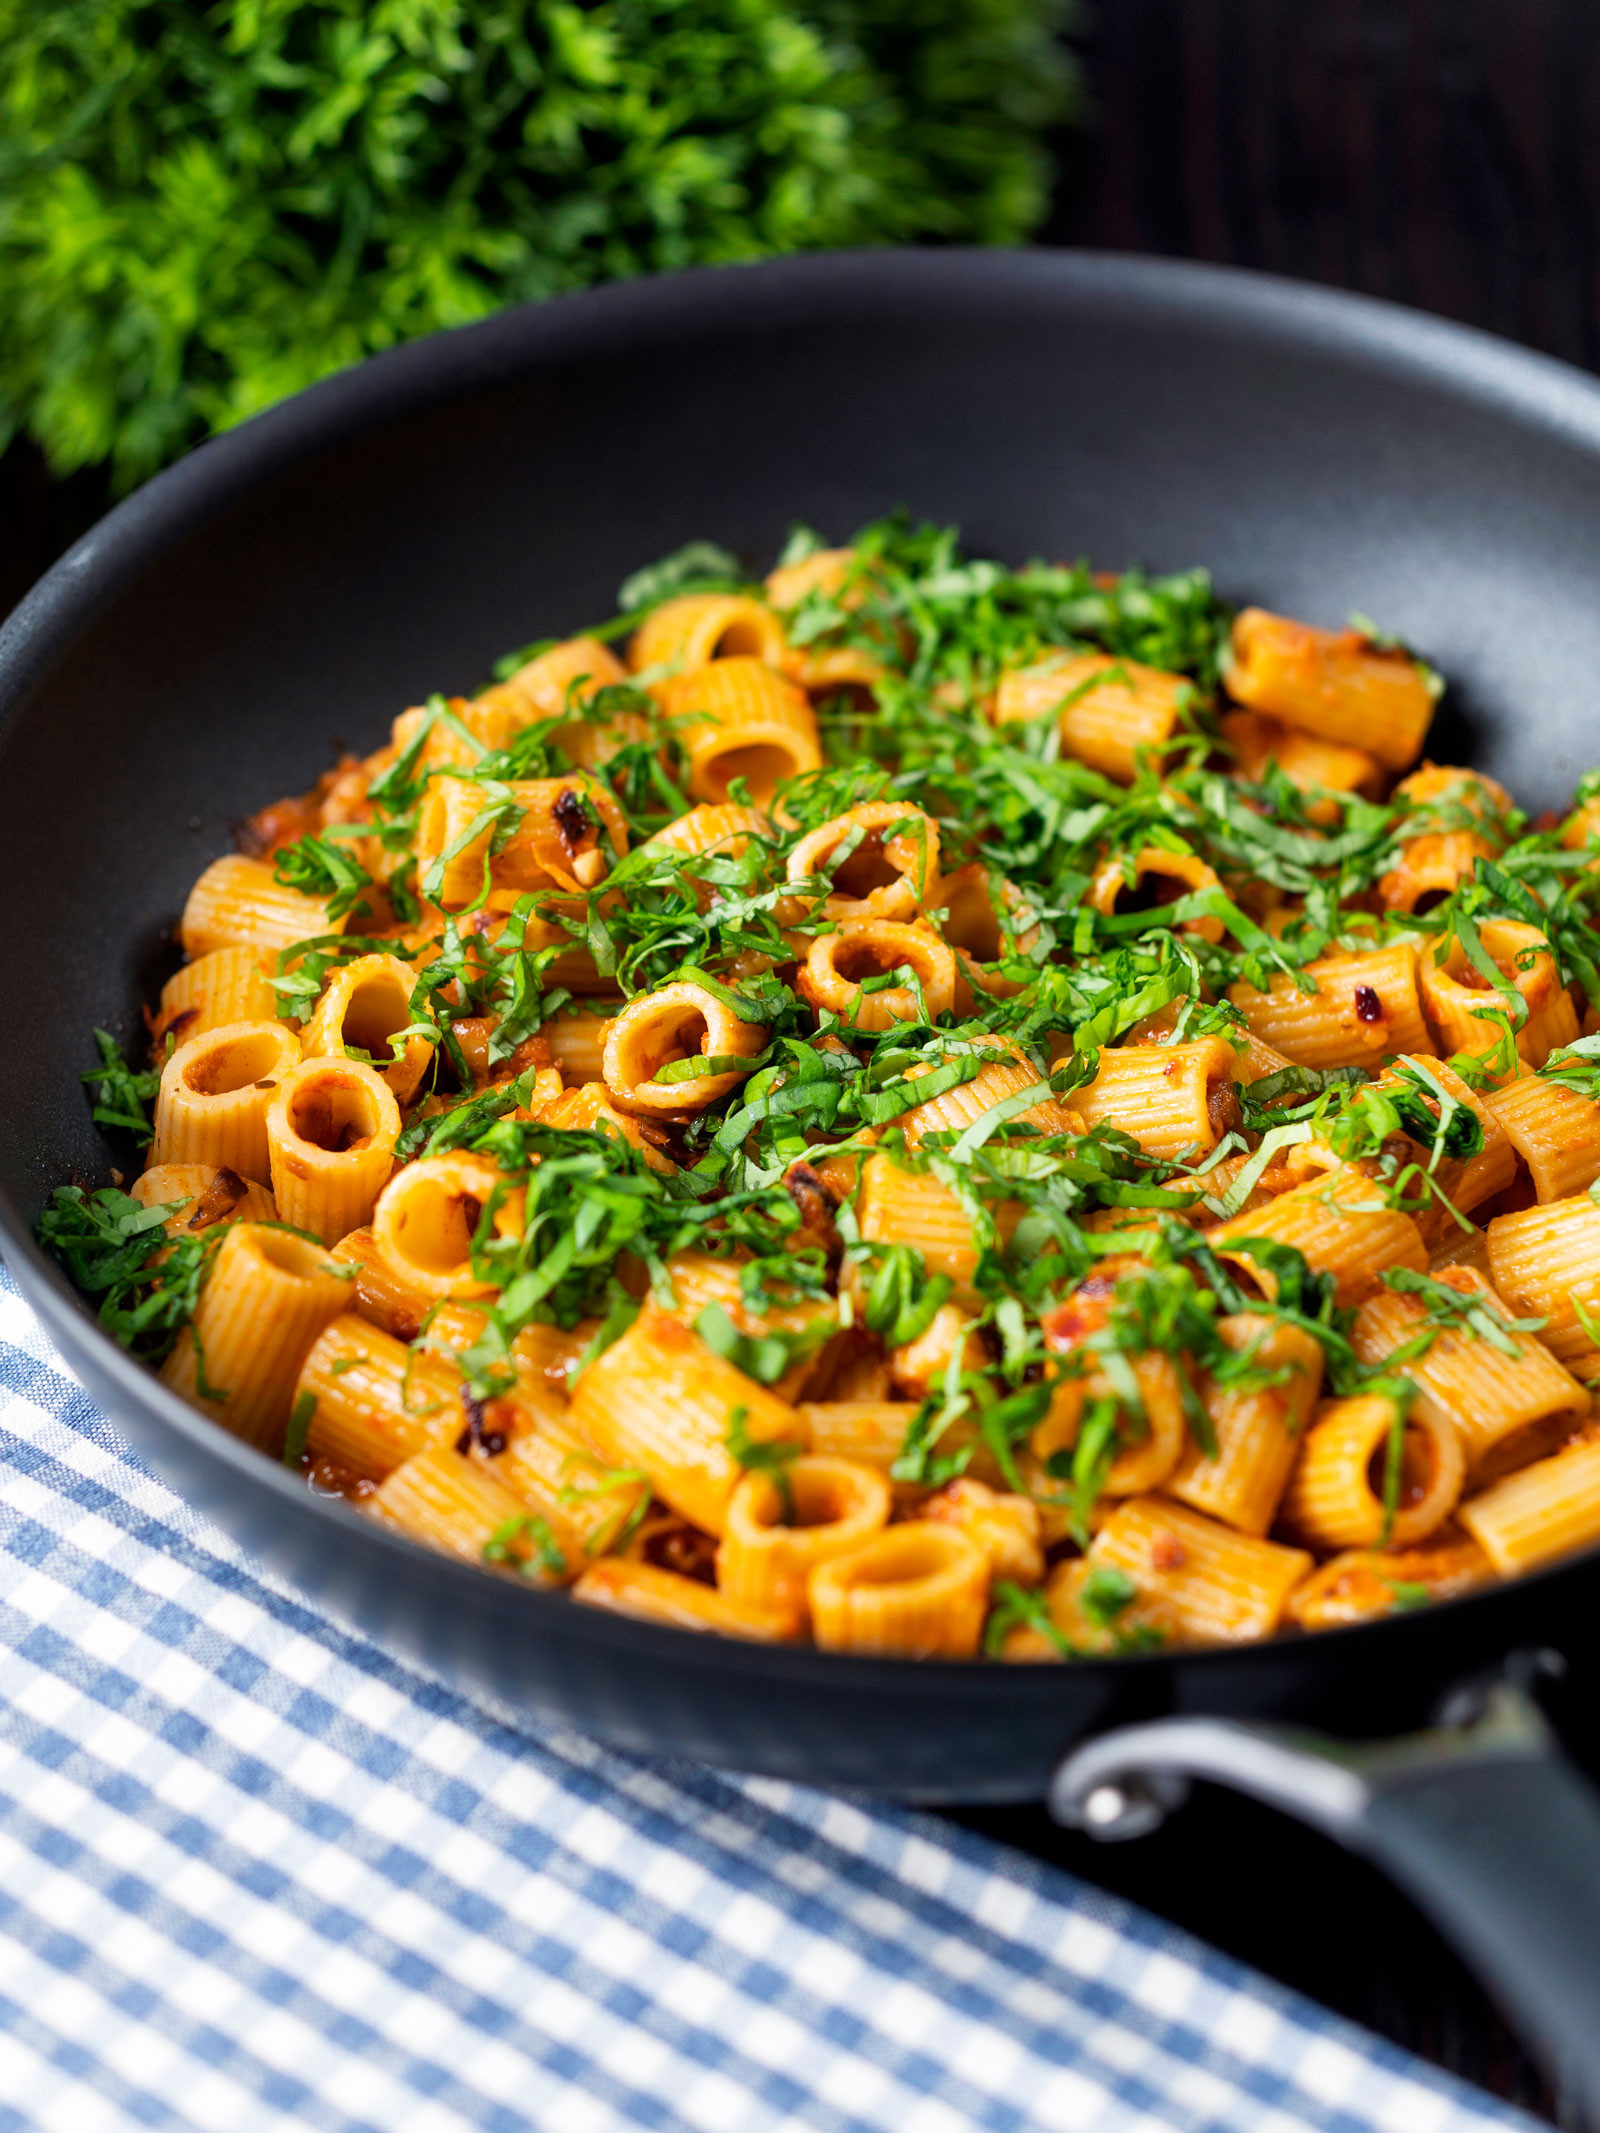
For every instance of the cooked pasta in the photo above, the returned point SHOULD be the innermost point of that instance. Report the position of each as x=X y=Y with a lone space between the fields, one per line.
x=935 y=1110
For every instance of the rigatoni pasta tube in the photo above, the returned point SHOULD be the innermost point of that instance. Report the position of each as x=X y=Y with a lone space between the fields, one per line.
x=659 y=1400
x=1342 y=1225
x=1146 y=880
x=204 y=1196
x=690 y=632
x=363 y=1007
x=1111 y=713
x=1541 y=1512
x=331 y=1130
x=268 y=1297
x=425 y=1221
x=840 y=964
x=1172 y=1098
x=671 y=1029
x=376 y=1402
x=562 y=840
x=384 y=1297
x=998 y=1081
x=1334 y=683
x=587 y=1505
x=577 y=1041
x=1509 y=1399
x=460 y=1507
x=1004 y=1525
x=1364 y=1008
x=1554 y=1129
x=228 y=985
x=215 y=1093
x=1312 y=764
x=1364 y=1583
x=1213 y=1585
x=1459 y=999
x=1545 y=1262
x=1150 y=1442
x=1256 y=1431
x=740 y=719
x=919 y=1590
x=568 y=674
x=776 y=1534
x=1335 y=1497
x=881 y=861
x=646 y=1593
x=898 y=1206
x=238 y=903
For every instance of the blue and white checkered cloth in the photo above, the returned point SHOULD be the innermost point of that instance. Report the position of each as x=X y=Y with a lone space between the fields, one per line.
x=255 y=1873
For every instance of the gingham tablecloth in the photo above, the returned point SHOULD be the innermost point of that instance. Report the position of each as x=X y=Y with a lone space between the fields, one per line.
x=256 y=1873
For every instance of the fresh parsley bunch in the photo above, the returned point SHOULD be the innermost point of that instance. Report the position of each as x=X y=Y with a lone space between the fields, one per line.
x=205 y=208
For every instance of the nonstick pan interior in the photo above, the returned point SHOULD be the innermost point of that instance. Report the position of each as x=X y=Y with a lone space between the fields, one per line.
x=288 y=588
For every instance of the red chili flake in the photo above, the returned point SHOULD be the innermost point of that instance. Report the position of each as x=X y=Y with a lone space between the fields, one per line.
x=491 y=1442
x=571 y=819
x=1369 y=1008
x=1167 y=1552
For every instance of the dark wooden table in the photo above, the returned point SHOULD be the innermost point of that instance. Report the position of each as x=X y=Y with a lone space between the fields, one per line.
x=1444 y=153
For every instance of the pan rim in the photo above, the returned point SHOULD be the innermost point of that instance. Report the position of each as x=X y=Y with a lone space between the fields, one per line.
x=1469 y=364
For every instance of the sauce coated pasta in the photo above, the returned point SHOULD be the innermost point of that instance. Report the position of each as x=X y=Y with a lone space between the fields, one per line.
x=935 y=1109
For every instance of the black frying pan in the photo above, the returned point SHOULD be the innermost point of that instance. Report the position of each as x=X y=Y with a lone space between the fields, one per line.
x=289 y=587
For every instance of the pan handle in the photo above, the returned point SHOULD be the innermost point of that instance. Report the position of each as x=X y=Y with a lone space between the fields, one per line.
x=1481 y=1819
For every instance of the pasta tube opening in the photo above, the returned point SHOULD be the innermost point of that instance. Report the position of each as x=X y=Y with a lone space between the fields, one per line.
x=425 y=1221
x=677 y=1027
x=840 y=966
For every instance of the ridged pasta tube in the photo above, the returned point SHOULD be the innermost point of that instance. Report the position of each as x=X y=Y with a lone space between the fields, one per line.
x=1146 y=880
x=1545 y=1262
x=425 y=1220
x=205 y=1196
x=1007 y=1076
x=1554 y=1129
x=577 y=1041
x=1257 y=1431
x=1172 y=1098
x=1312 y=764
x=660 y=1401
x=562 y=679
x=237 y=903
x=1364 y=1008
x=1334 y=683
x=775 y=1535
x=1111 y=713
x=331 y=1129
x=1506 y=1407
x=268 y=1297
x=740 y=718
x=1365 y=1583
x=669 y=1028
x=587 y=1505
x=459 y=1506
x=1540 y=1513
x=839 y=964
x=1150 y=1442
x=1342 y=1225
x=1335 y=1497
x=383 y=1296
x=646 y=1593
x=1005 y=1526
x=881 y=859
x=377 y=1402
x=215 y=1093
x=1210 y=1584
x=562 y=842
x=363 y=1007
x=1458 y=997
x=689 y=633
x=919 y=1590
x=228 y=985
